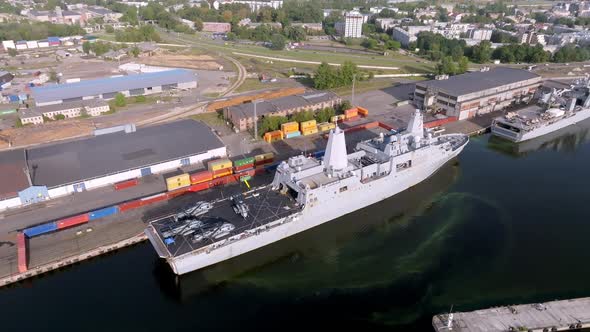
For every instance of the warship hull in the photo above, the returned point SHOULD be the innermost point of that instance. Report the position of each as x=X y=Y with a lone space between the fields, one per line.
x=310 y=216
x=522 y=136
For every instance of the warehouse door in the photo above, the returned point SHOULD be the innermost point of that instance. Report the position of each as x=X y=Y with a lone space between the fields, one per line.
x=146 y=171
x=79 y=187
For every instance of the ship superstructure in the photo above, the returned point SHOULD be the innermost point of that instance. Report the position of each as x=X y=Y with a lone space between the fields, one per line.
x=307 y=192
x=556 y=109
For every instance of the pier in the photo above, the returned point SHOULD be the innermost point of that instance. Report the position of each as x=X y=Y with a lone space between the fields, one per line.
x=562 y=315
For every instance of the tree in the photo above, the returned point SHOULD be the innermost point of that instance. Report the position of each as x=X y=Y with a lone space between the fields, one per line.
x=346 y=73
x=109 y=28
x=18 y=123
x=12 y=52
x=86 y=47
x=324 y=77
x=53 y=76
x=344 y=105
x=325 y=115
x=296 y=34
x=59 y=117
x=231 y=36
x=446 y=66
x=302 y=116
x=463 y=65
x=392 y=45
x=120 y=100
x=271 y=123
x=277 y=42
x=369 y=43
x=482 y=53
x=135 y=51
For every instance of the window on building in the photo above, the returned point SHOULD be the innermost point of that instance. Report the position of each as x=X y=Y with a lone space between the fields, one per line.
x=185 y=161
x=403 y=166
x=343 y=189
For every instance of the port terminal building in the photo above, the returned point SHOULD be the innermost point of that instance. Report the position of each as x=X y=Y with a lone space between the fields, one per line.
x=44 y=172
x=242 y=116
x=468 y=95
x=108 y=88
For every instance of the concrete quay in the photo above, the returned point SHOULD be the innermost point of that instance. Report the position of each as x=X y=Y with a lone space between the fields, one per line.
x=564 y=315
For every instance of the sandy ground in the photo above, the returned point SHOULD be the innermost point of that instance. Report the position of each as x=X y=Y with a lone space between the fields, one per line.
x=184 y=61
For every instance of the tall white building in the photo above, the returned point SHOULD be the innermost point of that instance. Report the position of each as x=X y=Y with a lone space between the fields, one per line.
x=353 y=25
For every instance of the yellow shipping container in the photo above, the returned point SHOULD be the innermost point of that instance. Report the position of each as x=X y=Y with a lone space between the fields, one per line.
x=309 y=131
x=334 y=118
x=216 y=165
x=289 y=127
x=308 y=124
x=179 y=181
x=326 y=126
x=264 y=156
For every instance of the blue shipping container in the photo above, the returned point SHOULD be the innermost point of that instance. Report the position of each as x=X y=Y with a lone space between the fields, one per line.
x=293 y=134
x=319 y=154
x=105 y=212
x=40 y=229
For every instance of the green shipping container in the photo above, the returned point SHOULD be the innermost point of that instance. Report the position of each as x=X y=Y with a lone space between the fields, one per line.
x=245 y=161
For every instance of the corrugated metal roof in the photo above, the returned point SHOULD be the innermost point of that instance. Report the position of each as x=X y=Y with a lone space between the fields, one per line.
x=97 y=156
x=109 y=85
x=477 y=81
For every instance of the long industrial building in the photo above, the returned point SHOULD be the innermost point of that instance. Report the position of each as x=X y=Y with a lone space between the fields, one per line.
x=107 y=88
x=242 y=116
x=41 y=173
x=467 y=95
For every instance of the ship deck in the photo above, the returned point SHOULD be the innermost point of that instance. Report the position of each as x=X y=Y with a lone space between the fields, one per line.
x=265 y=205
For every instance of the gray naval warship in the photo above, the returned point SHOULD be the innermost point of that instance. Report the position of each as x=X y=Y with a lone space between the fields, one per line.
x=556 y=109
x=304 y=193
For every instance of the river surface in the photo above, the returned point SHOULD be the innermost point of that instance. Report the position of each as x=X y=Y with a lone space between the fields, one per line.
x=502 y=224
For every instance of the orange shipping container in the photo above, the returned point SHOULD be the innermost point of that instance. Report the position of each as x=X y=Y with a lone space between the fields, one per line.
x=363 y=111
x=200 y=177
x=221 y=173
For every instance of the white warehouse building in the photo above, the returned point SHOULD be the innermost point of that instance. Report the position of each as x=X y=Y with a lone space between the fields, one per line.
x=79 y=165
x=107 y=88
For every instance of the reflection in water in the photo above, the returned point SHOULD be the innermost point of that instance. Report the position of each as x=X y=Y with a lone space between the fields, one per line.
x=346 y=253
x=566 y=140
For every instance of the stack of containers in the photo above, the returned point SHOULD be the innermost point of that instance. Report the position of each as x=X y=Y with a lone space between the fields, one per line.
x=308 y=127
x=351 y=114
x=243 y=164
x=265 y=158
x=220 y=168
x=273 y=136
x=179 y=181
x=325 y=126
x=201 y=177
x=290 y=129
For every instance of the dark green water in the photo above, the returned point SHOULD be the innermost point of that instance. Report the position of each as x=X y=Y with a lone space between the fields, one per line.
x=499 y=226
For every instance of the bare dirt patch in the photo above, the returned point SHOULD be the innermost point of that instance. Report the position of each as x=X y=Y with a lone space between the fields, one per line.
x=206 y=62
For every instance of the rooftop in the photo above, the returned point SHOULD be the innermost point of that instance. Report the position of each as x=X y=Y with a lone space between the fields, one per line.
x=12 y=173
x=476 y=81
x=93 y=157
x=69 y=105
x=281 y=104
x=95 y=87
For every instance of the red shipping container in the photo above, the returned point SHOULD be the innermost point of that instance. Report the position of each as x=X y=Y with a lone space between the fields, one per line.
x=198 y=187
x=153 y=199
x=177 y=192
x=21 y=252
x=243 y=167
x=201 y=177
x=386 y=126
x=264 y=162
x=129 y=205
x=126 y=184
x=72 y=221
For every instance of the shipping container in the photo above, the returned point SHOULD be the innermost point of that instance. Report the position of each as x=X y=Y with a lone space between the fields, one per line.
x=219 y=164
x=177 y=192
x=222 y=173
x=363 y=111
x=289 y=127
x=264 y=156
x=153 y=199
x=126 y=184
x=351 y=113
x=245 y=161
x=104 y=212
x=307 y=124
x=129 y=205
x=201 y=177
x=243 y=167
x=179 y=181
x=273 y=136
x=386 y=126
x=309 y=131
x=326 y=126
x=245 y=178
x=40 y=229
x=353 y=118
x=21 y=244
x=198 y=187
x=72 y=221
x=293 y=134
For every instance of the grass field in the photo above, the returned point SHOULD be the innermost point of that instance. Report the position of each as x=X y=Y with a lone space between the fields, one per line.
x=252 y=84
x=211 y=119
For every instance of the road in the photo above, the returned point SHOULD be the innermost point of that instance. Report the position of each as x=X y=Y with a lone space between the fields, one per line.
x=309 y=62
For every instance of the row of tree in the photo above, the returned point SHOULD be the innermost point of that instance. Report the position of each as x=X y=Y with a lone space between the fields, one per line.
x=37 y=30
x=327 y=77
x=141 y=34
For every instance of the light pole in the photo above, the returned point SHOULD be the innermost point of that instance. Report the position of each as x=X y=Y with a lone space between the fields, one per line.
x=256 y=101
x=353 y=79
